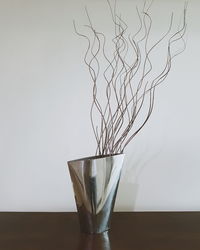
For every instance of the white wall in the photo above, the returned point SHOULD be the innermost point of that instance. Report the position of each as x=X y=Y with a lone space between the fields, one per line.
x=44 y=111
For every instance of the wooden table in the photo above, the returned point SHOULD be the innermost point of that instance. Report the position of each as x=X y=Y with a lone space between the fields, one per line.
x=130 y=231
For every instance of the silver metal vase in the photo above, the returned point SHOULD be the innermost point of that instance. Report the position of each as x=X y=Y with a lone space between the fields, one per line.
x=95 y=182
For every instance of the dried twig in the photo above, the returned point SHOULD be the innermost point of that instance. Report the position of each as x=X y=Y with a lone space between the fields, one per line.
x=126 y=96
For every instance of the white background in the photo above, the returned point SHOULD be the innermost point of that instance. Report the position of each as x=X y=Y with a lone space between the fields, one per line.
x=45 y=96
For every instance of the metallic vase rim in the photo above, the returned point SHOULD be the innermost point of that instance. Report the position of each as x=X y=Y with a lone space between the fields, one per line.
x=95 y=157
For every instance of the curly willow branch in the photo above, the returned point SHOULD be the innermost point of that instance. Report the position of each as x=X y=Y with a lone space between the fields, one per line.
x=129 y=89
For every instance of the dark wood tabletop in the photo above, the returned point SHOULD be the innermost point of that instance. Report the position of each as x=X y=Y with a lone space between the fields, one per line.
x=129 y=231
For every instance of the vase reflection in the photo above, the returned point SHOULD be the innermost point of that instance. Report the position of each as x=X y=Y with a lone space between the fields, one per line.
x=94 y=242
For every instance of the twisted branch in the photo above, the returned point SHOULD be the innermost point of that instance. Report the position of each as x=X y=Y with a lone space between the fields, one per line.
x=127 y=75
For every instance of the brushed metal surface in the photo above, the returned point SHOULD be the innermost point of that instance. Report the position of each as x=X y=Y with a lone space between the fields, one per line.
x=95 y=182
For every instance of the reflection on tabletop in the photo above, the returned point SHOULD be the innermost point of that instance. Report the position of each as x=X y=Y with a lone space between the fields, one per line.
x=94 y=242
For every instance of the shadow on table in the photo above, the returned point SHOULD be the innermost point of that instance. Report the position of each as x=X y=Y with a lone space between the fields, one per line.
x=94 y=242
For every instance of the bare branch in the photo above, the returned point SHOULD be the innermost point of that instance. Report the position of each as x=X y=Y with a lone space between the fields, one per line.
x=126 y=73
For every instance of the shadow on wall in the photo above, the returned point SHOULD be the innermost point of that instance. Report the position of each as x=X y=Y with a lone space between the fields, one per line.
x=129 y=184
